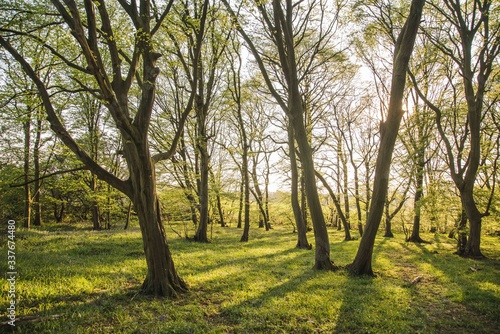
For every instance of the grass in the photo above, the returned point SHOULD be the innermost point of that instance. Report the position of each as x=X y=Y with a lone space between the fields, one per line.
x=90 y=281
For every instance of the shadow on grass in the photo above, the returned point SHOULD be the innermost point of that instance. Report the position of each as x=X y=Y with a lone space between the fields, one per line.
x=76 y=313
x=461 y=294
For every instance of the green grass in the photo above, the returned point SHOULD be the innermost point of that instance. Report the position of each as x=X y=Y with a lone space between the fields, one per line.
x=91 y=280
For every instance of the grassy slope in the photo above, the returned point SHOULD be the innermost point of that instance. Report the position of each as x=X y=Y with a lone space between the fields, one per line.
x=92 y=279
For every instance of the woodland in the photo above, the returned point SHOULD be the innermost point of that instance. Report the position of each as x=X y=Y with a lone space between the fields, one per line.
x=234 y=166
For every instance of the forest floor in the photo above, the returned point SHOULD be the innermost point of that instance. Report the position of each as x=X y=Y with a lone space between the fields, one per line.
x=74 y=280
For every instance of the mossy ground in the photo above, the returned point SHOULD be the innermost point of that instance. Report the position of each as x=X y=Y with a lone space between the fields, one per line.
x=90 y=281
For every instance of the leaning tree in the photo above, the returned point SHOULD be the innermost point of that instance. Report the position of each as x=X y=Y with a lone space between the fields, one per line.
x=362 y=263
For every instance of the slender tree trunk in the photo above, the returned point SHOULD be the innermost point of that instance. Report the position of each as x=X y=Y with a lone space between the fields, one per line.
x=129 y=215
x=322 y=242
x=201 y=232
x=27 y=188
x=266 y=194
x=358 y=202
x=388 y=221
x=37 y=221
x=303 y=200
x=241 y=202
x=95 y=208
x=415 y=233
x=367 y=187
x=218 y=199
x=338 y=207
x=246 y=187
x=220 y=210
x=362 y=263
x=302 y=241
x=188 y=184
x=461 y=233
x=345 y=187
x=258 y=194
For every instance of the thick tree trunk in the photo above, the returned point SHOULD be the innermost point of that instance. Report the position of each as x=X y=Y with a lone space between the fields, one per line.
x=472 y=248
x=362 y=264
x=161 y=278
x=302 y=241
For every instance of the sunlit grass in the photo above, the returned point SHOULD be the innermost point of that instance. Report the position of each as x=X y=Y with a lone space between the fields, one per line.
x=91 y=280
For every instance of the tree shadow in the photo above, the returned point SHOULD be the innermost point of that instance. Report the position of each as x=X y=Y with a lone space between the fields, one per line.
x=461 y=294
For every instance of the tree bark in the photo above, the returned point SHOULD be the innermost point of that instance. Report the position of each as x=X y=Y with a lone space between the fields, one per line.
x=362 y=264
x=338 y=207
x=472 y=247
x=161 y=278
x=96 y=222
x=37 y=185
x=388 y=221
x=201 y=115
x=415 y=233
x=27 y=187
x=302 y=241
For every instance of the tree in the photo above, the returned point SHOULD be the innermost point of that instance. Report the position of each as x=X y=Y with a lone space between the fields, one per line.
x=97 y=50
x=198 y=34
x=389 y=130
x=470 y=54
x=283 y=23
x=416 y=138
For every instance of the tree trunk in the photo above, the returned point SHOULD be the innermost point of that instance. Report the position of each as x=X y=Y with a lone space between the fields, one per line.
x=266 y=193
x=302 y=241
x=338 y=207
x=129 y=215
x=27 y=188
x=37 y=221
x=241 y=202
x=415 y=233
x=95 y=208
x=303 y=200
x=357 y=196
x=257 y=192
x=388 y=221
x=461 y=233
x=201 y=232
x=220 y=210
x=246 y=190
x=161 y=278
x=322 y=251
x=362 y=264
x=472 y=248
x=345 y=187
